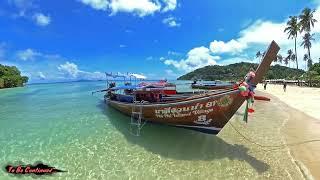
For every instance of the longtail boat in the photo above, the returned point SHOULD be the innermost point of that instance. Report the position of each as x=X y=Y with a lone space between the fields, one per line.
x=208 y=112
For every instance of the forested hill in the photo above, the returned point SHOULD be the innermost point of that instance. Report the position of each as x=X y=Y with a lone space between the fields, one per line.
x=235 y=72
x=10 y=76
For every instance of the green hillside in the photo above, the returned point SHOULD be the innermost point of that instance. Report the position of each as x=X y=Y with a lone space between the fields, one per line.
x=235 y=72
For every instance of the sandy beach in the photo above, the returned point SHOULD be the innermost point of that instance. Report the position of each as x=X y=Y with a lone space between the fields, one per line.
x=304 y=99
x=303 y=123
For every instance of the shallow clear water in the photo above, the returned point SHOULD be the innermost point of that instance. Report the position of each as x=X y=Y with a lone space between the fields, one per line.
x=64 y=126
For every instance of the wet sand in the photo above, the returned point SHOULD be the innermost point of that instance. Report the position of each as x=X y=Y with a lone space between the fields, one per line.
x=264 y=128
x=302 y=124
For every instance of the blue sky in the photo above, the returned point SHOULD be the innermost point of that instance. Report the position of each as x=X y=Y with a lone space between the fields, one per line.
x=81 y=39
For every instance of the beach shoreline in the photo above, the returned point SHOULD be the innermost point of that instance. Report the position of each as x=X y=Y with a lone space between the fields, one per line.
x=302 y=124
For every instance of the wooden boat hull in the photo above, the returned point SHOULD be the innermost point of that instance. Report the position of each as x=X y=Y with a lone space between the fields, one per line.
x=206 y=113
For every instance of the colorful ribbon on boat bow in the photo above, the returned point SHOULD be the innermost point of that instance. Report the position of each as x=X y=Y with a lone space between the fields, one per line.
x=246 y=89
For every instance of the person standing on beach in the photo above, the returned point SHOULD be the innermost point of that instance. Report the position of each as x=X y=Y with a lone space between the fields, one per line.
x=265 y=85
x=284 y=86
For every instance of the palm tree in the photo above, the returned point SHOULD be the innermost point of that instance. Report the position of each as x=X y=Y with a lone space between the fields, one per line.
x=286 y=60
x=279 y=58
x=309 y=63
x=307 y=22
x=292 y=29
x=289 y=57
x=306 y=43
x=305 y=58
x=306 y=19
x=293 y=58
x=310 y=75
x=258 y=55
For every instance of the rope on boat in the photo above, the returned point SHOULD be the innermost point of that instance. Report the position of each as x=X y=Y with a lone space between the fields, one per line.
x=270 y=146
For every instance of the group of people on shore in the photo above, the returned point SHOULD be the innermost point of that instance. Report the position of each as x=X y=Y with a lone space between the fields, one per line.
x=284 y=86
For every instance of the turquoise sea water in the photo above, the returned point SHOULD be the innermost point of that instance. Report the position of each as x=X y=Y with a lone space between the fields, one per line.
x=64 y=126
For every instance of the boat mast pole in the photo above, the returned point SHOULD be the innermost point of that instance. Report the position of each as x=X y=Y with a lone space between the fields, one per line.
x=268 y=58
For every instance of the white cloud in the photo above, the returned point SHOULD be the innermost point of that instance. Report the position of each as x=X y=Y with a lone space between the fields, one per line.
x=41 y=19
x=31 y=54
x=171 y=22
x=196 y=58
x=122 y=46
x=258 y=33
x=71 y=71
x=169 y=5
x=41 y=75
x=263 y=32
x=26 y=9
x=28 y=54
x=230 y=46
x=317 y=24
x=97 y=4
x=257 y=36
x=137 y=7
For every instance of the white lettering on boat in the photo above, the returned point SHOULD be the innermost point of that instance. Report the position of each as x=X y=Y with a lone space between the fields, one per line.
x=202 y=119
x=195 y=109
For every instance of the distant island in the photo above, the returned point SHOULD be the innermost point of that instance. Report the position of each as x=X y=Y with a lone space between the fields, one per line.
x=10 y=77
x=235 y=72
